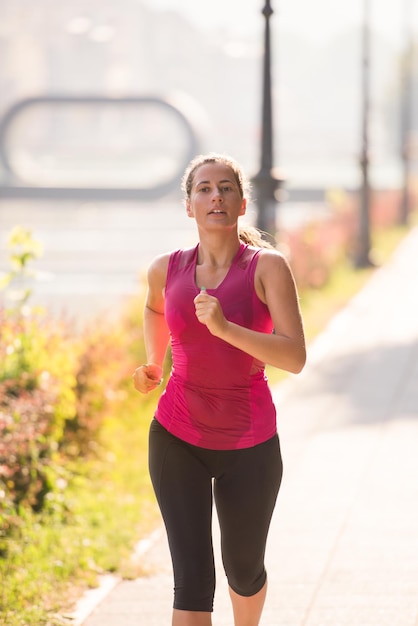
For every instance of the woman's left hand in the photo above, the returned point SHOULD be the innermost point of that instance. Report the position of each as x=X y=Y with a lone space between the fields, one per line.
x=209 y=312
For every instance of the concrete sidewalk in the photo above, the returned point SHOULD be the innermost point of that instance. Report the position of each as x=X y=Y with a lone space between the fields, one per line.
x=343 y=546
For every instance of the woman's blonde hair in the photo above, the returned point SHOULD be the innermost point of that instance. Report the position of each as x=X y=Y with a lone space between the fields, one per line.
x=243 y=183
x=253 y=236
x=247 y=234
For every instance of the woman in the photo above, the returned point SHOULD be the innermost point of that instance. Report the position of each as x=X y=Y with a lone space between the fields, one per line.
x=228 y=306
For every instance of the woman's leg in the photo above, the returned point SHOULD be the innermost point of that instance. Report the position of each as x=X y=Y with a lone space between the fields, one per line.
x=183 y=487
x=245 y=495
x=191 y=618
x=248 y=609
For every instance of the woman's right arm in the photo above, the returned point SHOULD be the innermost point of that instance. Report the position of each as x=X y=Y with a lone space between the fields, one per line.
x=156 y=334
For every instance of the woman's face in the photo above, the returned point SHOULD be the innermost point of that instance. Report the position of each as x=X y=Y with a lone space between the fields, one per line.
x=215 y=199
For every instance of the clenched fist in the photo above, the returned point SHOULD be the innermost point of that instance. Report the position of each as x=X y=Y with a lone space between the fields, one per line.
x=209 y=312
x=147 y=377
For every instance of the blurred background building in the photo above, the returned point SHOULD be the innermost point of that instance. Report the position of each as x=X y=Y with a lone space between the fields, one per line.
x=213 y=72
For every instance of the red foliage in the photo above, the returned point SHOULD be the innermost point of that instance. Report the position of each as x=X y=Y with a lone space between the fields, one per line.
x=26 y=445
x=314 y=247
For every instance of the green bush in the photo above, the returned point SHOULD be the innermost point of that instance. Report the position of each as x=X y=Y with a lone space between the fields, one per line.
x=36 y=399
x=102 y=366
x=70 y=424
x=55 y=388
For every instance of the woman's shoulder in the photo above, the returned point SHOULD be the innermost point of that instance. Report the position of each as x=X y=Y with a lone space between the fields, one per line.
x=160 y=264
x=272 y=264
x=157 y=269
x=271 y=257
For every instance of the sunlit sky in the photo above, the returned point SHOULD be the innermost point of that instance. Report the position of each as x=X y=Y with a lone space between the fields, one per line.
x=316 y=20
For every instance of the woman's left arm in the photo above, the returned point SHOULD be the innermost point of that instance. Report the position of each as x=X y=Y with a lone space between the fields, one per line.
x=275 y=286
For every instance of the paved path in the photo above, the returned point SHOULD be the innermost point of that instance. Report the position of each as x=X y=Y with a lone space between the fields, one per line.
x=343 y=547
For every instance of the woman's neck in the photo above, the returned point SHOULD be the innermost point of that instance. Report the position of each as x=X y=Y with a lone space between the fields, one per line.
x=217 y=251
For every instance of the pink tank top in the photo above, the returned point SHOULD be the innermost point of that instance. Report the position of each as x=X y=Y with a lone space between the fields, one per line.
x=217 y=396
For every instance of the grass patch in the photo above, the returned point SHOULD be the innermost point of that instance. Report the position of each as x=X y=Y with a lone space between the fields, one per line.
x=108 y=506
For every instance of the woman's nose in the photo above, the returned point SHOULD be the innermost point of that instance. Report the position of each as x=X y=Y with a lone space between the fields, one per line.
x=217 y=195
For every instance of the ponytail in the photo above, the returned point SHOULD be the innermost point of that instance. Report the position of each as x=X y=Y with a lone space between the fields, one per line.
x=253 y=237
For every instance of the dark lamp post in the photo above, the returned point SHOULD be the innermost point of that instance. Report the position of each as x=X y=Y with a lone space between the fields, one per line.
x=362 y=254
x=266 y=182
x=406 y=112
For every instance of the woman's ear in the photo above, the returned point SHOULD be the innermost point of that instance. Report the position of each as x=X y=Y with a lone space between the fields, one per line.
x=189 y=209
x=243 y=206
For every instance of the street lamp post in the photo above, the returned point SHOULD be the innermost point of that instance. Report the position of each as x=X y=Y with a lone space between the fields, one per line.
x=406 y=112
x=362 y=258
x=265 y=181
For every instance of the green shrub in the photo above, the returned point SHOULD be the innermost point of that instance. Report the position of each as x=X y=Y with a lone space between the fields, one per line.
x=37 y=398
x=17 y=283
x=54 y=390
x=102 y=366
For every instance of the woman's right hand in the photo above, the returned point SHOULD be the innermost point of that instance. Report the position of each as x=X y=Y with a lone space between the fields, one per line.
x=147 y=377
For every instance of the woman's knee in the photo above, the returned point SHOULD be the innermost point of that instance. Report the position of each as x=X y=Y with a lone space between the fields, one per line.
x=246 y=583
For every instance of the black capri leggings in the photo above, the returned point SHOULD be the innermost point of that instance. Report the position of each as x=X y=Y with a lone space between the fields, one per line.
x=245 y=487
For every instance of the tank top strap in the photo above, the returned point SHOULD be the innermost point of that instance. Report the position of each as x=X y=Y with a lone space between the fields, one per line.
x=248 y=254
x=180 y=259
x=248 y=261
